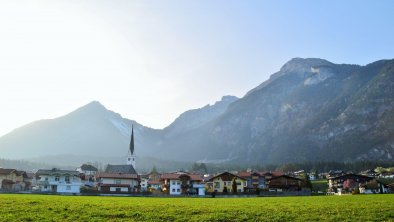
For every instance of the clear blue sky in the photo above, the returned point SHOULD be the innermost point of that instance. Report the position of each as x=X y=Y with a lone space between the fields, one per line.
x=152 y=60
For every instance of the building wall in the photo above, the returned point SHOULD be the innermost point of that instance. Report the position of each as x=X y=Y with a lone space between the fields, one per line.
x=55 y=183
x=218 y=184
x=175 y=187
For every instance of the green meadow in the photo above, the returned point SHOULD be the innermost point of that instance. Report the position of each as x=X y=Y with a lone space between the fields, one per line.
x=94 y=208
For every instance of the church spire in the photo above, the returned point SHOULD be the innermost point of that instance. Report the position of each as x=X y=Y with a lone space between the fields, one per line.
x=132 y=141
x=131 y=155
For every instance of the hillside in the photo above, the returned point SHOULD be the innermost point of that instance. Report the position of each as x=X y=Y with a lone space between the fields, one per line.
x=311 y=109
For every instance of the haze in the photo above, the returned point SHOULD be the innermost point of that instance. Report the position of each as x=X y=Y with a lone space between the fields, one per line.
x=153 y=60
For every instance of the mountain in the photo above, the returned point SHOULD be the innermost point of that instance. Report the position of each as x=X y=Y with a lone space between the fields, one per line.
x=310 y=110
x=90 y=130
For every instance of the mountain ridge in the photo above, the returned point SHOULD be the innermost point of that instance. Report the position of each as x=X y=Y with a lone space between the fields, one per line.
x=310 y=110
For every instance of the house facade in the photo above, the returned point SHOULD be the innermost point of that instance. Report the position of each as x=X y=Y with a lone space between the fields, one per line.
x=284 y=183
x=347 y=182
x=222 y=183
x=117 y=182
x=59 y=181
x=12 y=180
x=255 y=181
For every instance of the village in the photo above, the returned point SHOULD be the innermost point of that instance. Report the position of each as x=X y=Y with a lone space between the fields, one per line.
x=124 y=180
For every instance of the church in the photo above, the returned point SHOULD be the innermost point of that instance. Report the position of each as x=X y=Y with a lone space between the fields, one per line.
x=121 y=178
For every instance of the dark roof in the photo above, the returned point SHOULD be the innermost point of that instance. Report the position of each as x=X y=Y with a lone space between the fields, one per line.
x=226 y=176
x=88 y=167
x=351 y=174
x=285 y=176
x=132 y=141
x=120 y=169
x=55 y=171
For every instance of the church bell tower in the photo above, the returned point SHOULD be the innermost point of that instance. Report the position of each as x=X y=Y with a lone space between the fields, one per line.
x=131 y=155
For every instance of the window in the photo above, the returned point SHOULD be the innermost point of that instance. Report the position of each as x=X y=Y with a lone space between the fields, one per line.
x=67 y=179
x=216 y=185
x=173 y=190
x=173 y=182
x=57 y=178
x=117 y=181
x=178 y=183
x=178 y=190
x=46 y=178
x=45 y=187
x=68 y=187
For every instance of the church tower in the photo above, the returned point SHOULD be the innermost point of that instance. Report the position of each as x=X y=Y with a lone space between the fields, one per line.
x=131 y=155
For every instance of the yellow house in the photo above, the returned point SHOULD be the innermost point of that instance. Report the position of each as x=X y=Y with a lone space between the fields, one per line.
x=224 y=182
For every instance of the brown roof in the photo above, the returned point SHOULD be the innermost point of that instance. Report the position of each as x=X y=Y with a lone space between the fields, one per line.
x=6 y=171
x=196 y=177
x=154 y=182
x=226 y=176
x=117 y=175
x=244 y=174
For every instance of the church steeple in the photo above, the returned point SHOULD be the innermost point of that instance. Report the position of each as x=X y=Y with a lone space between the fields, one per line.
x=130 y=155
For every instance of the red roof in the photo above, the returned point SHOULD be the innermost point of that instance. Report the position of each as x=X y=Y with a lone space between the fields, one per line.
x=154 y=182
x=244 y=174
x=117 y=175
x=196 y=177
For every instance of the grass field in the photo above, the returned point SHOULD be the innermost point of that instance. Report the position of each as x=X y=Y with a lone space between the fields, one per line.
x=82 y=208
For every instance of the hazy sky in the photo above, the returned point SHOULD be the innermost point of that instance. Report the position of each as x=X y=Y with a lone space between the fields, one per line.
x=152 y=60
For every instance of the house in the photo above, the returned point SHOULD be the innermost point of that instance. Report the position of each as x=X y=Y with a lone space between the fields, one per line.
x=197 y=185
x=255 y=181
x=144 y=182
x=223 y=183
x=117 y=182
x=175 y=183
x=87 y=170
x=59 y=181
x=346 y=182
x=372 y=187
x=12 y=180
x=154 y=185
x=284 y=183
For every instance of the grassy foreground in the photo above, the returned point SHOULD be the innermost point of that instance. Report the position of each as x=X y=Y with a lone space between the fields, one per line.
x=81 y=208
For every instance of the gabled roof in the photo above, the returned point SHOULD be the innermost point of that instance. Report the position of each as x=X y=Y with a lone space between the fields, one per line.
x=226 y=176
x=285 y=176
x=172 y=176
x=6 y=171
x=154 y=182
x=88 y=167
x=196 y=177
x=55 y=171
x=351 y=174
x=117 y=175
x=127 y=169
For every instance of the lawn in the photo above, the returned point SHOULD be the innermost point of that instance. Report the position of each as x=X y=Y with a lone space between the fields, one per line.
x=83 y=208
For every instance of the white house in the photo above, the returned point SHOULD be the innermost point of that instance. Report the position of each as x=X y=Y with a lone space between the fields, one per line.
x=59 y=181
x=182 y=183
x=117 y=182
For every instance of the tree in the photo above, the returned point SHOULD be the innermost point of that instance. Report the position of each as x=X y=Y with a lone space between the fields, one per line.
x=225 y=189
x=234 y=186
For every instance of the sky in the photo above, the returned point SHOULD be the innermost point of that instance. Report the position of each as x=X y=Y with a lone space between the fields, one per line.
x=152 y=60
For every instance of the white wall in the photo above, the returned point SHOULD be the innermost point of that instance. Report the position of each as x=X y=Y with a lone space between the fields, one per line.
x=175 y=187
